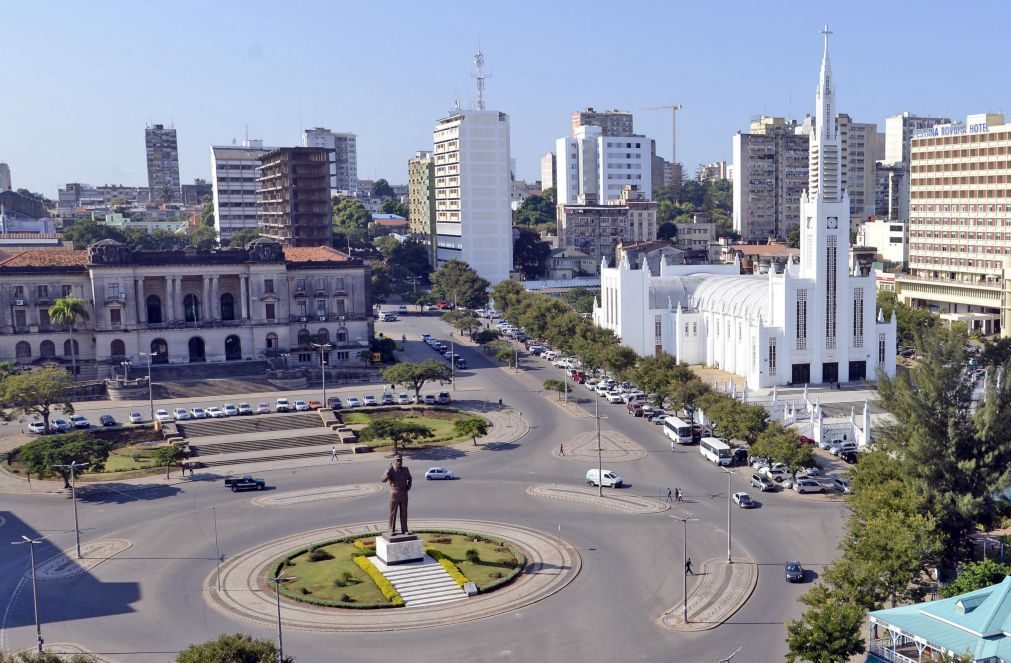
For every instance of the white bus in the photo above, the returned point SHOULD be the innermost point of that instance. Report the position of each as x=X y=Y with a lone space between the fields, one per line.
x=677 y=430
x=716 y=450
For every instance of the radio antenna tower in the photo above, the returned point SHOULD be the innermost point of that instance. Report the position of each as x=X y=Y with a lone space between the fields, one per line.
x=480 y=77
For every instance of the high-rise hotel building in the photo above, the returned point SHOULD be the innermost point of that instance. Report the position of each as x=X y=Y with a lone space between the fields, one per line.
x=960 y=221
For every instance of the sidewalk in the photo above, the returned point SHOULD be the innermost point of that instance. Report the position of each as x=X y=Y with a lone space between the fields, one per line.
x=720 y=590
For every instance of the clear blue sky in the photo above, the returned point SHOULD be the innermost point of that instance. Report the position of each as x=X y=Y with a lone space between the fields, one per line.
x=81 y=79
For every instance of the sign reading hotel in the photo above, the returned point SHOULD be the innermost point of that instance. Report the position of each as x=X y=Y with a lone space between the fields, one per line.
x=952 y=130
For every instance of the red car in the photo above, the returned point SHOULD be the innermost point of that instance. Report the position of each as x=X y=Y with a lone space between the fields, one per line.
x=443 y=306
x=804 y=439
x=315 y=405
x=634 y=408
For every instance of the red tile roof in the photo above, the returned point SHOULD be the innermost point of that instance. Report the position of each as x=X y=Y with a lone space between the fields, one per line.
x=313 y=254
x=46 y=258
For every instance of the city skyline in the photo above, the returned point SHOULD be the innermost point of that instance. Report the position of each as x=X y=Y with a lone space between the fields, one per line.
x=166 y=68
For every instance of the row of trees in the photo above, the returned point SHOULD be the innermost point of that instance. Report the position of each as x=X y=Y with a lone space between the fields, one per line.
x=919 y=497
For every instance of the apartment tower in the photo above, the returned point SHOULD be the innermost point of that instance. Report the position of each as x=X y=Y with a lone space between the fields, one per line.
x=294 y=192
x=162 y=163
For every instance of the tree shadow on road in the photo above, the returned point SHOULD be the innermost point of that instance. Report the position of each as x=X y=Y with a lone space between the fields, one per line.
x=119 y=493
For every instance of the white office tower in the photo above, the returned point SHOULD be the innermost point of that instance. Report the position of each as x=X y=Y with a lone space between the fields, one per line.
x=590 y=163
x=473 y=187
x=234 y=173
x=344 y=168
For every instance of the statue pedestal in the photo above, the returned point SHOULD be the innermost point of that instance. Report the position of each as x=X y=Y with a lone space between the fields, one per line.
x=399 y=548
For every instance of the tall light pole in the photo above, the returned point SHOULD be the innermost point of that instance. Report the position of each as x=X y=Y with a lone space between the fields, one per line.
x=730 y=473
x=73 y=467
x=452 y=356
x=35 y=594
x=277 y=580
x=150 y=387
x=600 y=459
x=326 y=347
x=126 y=369
x=684 y=521
x=565 y=384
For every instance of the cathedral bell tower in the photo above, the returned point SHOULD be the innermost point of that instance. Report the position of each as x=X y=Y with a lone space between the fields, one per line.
x=825 y=214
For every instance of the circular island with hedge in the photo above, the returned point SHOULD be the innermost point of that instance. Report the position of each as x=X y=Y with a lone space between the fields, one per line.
x=337 y=573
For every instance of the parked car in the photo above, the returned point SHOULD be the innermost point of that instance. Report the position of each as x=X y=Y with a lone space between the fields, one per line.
x=461 y=363
x=230 y=410
x=214 y=412
x=443 y=398
x=181 y=414
x=244 y=408
x=354 y=402
x=841 y=448
x=301 y=406
x=387 y=317
x=764 y=484
x=163 y=416
x=597 y=477
x=743 y=500
x=808 y=486
x=429 y=399
x=849 y=456
x=60 y=425
x=198 y=413
x=282 y=405
x=315 y=404
x=80 y=421
x=138 y=418
x=335 y=403
x=388 y=399
x=37 y=427
x=794 y=572
x=245 y=483
x=402 y=309
x=842 y=485
x=613 y=397
x=107 y=420
x=634 y=409
x=434 y=473
x=659 y=418
x=370 y=400
x=804 y=439
x=263 y=408
x=403 y=399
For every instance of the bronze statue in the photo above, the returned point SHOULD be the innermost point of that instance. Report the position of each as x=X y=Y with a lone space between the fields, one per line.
x=400 y=481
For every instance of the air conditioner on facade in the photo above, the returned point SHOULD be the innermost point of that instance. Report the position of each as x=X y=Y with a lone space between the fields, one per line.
x=19 y=302
x=341 y=318
x=301 y=319
x=322 y=317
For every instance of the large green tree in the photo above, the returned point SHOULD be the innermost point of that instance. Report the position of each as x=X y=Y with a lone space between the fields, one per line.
x=417 y=375
x=828 y=631
x=456 y=282
x=908 y=321
x=40 y=391
x=350 y=216
x=535 y=211
x=243 y=237
x=393 y=206
x=67 y=311
x=530 y=253
x=472 y=427
x=380 y=282
x=232 y=648
x=581 y=299
x=207 y=215
x=204 y=238
x=42 y=455
x=85 y=232
x=398 y=431
x=170 y=455
x=977 y=575
x=382 y=189
x=782 y=445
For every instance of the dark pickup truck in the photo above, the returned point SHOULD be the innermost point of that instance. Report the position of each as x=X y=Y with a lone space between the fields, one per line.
x=245 y=483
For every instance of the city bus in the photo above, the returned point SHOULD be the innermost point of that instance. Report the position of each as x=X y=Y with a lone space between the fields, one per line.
x=677 y=430
x=716 y=450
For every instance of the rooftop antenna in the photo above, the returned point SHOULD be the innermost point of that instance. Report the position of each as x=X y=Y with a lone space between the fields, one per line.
x=480 y=77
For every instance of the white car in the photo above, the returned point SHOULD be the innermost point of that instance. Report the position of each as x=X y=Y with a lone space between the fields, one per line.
x=263 y=408
x=37 y=427
x=388 y=399
x=808 y=486
x=354 y=402
x=198 y=413
x=301 y=406
x=181 y=414
x=403 y=399
x=80 y=421
x=230 y=410
x=282 y=405
x=428 y=399
x=439 y=473
x=138 y=418
x=60 y=425
x=743 y=500
x=614 y=397
x=602 y=389
x=243 y=408
x=163 y=416
x=214 y=412
x=370 y=399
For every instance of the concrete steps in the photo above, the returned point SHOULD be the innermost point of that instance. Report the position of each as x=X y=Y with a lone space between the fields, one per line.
x=421 y=583
x=249 y=424
x=200 y=450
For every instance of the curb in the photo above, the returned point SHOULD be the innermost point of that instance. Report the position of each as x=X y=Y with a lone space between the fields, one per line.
x=672 y=618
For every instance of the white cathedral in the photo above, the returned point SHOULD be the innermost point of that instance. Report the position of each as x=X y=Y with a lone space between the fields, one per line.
x=813 y=322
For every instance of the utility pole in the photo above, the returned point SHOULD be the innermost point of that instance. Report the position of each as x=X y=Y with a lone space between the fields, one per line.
x=600 y=458
x=73 y=467
x=730 y=473
x=325 y=348
x=150 y=388
x=684 y=521
x=35 y=594
x=276 y=581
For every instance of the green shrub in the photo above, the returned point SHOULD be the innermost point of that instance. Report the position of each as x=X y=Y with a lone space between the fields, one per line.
x=305 y=591
x=346 y=598
x=319 y=555
x=473 y=557
x=384 y=585
x=452 y=569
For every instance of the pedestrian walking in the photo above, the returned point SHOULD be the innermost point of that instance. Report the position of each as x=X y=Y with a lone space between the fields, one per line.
x=333 y=454
x=688 y=567
x=561 y=449
x=678 y=496
x=668 y=496
x=500 y=402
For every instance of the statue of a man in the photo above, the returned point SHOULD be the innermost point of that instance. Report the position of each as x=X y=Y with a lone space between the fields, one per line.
x=400 y=481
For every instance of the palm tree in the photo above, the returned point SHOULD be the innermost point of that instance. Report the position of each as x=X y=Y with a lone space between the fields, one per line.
x=66 y=311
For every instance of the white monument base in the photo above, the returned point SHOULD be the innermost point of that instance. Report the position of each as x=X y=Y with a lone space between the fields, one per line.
x=399 y=548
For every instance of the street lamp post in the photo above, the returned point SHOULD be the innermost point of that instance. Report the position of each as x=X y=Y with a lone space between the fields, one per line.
x=325 y=347
x=600 y=459
x=565 y=385
x=277 y=580
x=150 y=387
x=684 y=521
x=730 y=473
x=35 y=594
x=73 y=467
x=452 y=357
x=126 y=369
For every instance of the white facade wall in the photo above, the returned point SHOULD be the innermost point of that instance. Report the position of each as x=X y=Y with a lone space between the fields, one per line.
x=591 y=163
x=234 y=171
x=473 y=186
x=344 y=169
x=890 y=238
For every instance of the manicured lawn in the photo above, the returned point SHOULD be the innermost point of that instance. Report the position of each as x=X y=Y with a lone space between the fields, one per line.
x=320 y=578
x=495 y=562
x=440 y=422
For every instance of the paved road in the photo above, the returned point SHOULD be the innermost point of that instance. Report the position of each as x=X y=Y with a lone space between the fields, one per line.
x=146 y=604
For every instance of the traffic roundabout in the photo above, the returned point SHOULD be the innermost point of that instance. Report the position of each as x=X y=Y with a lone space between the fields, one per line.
x=241 y=590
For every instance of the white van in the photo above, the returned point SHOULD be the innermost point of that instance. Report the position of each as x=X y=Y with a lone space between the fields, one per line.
x=593 y=477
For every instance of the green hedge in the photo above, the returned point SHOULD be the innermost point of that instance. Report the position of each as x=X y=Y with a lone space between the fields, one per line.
x=385 y=586
x=452 y=569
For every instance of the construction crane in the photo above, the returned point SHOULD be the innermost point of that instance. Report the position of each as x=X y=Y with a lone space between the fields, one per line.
x=673 y=108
